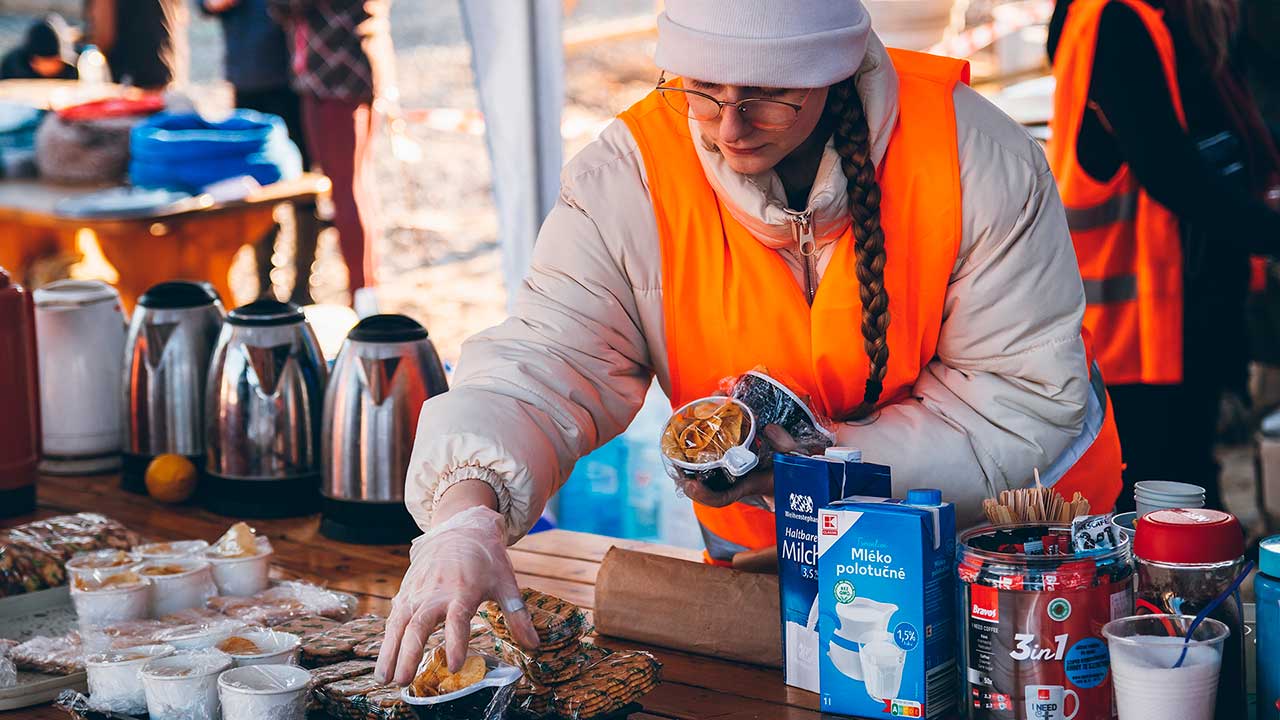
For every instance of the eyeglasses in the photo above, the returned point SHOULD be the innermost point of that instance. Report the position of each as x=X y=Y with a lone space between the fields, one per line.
x=760 y=113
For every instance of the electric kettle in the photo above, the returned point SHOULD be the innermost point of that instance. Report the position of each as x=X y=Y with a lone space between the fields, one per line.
x=386 y=369
x=263 y=404
x=171 y=339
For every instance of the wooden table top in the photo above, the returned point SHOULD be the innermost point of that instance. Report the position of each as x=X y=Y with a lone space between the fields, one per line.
x=34 y=202
x=559 y=562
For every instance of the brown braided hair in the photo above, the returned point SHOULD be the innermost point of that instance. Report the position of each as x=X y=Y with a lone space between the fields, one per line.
x=852 y=141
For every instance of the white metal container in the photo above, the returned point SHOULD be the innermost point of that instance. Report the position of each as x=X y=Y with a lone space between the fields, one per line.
x=80 y=336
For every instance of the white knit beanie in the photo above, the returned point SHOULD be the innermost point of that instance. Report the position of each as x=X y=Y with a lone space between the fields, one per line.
x=769 y=43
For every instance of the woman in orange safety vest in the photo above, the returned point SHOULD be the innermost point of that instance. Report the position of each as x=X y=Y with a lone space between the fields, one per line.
x=1161 y=156
x=792 y=195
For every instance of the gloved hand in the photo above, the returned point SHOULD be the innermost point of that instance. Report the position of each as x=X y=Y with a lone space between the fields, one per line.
x=452 y=569
x=757 y=482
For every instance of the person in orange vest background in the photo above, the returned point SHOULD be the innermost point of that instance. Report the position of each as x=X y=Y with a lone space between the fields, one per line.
x=1162 y=159
x=792 y=195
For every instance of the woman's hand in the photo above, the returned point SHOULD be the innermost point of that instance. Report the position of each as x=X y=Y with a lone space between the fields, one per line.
x=452 y=569
x=757 y=482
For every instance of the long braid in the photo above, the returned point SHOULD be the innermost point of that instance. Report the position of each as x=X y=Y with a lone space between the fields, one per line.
x=852 y=142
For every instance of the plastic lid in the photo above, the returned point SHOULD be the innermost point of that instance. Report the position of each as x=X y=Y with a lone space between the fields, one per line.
x=261 y=313
x=1186 y=536
x=75 y=293
x=1269 y=556
x=178 y=294
x=387 y=329
x=847 y=454
x=924 y=496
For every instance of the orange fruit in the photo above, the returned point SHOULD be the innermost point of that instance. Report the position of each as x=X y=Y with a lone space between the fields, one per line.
x=171 y=479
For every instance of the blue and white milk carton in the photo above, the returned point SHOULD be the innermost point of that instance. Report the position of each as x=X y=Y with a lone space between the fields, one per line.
x=801 y=486
x=886 y=628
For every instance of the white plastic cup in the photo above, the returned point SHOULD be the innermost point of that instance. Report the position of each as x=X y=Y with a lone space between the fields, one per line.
x=203 y=636
x=89 y=564
x=1143 y=651
x=278 y=692
x=170 y=550
x=191 y=588
x=115 y=680
x=184 y=686
x=242 y=576
x=111 y=605
x=278 y=648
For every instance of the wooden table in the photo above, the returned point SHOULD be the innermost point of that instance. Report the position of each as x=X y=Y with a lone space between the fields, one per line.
x=196 y=241
x=559 y=562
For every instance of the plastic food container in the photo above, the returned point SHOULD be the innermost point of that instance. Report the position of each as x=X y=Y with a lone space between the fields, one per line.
x=115 y=682
x=90 y=563
x=178 y=584
x=242 y=576
x=275 y=648
x=274 y=692
x=722 y=473
x=184 y=686
x=170 y=550
x=486 y=700
x=203 y=635
x=110 y=604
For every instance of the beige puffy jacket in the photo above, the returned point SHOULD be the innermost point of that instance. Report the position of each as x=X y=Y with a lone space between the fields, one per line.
x=568 y=371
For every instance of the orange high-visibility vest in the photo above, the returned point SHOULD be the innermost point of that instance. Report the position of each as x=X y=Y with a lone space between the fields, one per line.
x=1128 y=245
x=730 y=303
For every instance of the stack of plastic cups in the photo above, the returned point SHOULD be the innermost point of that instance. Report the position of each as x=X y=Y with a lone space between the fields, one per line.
x=1151 y=495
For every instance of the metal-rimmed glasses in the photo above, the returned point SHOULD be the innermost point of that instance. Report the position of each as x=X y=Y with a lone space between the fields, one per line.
x=761 y=113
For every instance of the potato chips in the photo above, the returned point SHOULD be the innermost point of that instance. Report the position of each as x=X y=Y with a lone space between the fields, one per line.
x=435 y=678
x=705 y=431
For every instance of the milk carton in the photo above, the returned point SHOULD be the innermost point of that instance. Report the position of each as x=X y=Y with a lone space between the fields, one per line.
x=886 y=628
x=802 y=485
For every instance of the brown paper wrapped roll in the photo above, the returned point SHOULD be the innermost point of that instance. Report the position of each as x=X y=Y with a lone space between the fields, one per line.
x=689 y=606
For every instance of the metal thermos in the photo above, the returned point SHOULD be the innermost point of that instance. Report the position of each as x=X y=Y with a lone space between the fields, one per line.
x=81 y=329
x=19 y=398
x=171 y=339
x=386 y=369
x=263 y=404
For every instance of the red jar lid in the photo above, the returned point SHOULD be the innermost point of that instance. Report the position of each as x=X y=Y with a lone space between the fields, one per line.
x=1188 y=537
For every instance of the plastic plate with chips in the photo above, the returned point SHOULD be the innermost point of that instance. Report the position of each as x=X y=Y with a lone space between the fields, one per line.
x=485 y=699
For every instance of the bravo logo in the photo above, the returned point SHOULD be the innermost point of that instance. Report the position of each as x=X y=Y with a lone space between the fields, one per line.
x=1044 y=694
x=801 y=503
x=984 y=604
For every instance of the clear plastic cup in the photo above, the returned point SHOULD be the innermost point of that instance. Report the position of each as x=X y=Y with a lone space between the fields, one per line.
x=1144 y=650
x=258 y=692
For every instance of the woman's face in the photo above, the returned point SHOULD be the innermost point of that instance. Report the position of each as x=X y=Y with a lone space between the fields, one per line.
x=747 y=149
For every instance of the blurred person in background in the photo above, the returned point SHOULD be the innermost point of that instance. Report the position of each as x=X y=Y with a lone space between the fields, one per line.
x=43 y=53
x=342 y=61
x=256 y=63
x=145 y=41
x=1162 y=159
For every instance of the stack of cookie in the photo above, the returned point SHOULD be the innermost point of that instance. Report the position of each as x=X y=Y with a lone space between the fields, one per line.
x=340 y=642
x=362 y=698
x=566 y=676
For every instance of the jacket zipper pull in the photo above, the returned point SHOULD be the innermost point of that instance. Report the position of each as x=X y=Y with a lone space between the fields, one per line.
x=807 y=246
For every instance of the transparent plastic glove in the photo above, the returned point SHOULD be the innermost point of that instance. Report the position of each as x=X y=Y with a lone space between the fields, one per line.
x=452 y=569
x=757 y=482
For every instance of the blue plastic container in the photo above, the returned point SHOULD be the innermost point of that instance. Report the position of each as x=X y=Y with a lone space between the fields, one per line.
x=1266 y=587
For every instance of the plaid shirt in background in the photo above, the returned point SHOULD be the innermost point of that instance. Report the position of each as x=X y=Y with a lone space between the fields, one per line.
x=341 y=49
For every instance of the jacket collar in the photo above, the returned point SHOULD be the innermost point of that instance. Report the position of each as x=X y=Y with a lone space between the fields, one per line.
x=758 y=201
